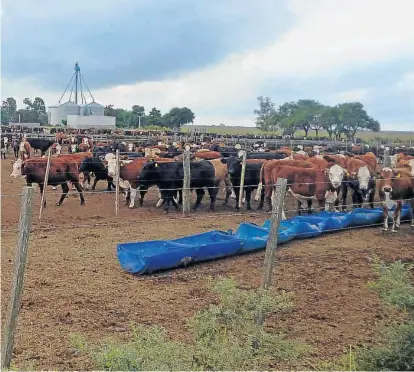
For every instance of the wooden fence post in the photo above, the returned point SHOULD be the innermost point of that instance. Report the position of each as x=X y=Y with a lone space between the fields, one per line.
x=117 y=167
x=45 y=183
x=243 y=172
x=277 y=207
x=186 y=182
x=18 y=276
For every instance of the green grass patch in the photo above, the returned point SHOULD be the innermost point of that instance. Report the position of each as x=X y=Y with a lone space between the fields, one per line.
x=225 y=337
x=395 y=351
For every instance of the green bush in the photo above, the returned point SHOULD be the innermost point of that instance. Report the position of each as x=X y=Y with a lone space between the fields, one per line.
x=394 y=284
x=226 y=337
x=396 y=349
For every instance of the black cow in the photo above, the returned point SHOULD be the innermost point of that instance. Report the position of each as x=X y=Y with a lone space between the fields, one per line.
x=266 y=155
x=40 y=144
x=96 y=166
x=358 y=195
x=251 y=179
x=169 y=178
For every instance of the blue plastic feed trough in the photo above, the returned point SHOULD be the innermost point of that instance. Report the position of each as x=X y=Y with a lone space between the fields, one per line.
x=155 y=255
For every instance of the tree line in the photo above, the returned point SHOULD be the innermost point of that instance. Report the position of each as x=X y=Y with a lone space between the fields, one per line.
x=137 y=116
x=344 y=119
x=32 y=112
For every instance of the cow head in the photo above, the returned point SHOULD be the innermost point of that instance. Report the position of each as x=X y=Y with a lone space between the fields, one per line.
x=336 y=175
x=387 y=175
x=363 y=176
x=234 y=166
x=110 y=159
x=17 y=168
x=149 y=173
x=74 y=147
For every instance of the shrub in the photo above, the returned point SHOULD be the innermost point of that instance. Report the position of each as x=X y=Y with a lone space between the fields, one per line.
x=226 y=336
x=396 y=349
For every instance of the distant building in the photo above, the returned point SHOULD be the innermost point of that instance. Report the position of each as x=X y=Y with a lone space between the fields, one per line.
x=80 y=116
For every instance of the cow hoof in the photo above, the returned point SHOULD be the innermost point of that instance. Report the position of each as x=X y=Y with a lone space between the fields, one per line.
x=394 y=231
x=57 y=205
x=384 y=229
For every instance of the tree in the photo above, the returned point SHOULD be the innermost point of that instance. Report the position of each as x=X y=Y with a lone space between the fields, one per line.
x=307 y=111
x=154 y=117
x=177 y=117
x=8 y=110
x=137 y=114
x=266 y=117
x=109 y=110
x=353 y=117
x=330 y=119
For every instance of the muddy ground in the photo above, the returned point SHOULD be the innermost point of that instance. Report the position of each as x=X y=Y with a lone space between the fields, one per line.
x=74 y=283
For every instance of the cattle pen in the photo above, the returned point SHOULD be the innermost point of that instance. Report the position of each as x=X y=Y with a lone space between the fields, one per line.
x=75 y=285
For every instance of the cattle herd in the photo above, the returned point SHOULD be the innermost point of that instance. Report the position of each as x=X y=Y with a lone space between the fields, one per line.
x=314 y=174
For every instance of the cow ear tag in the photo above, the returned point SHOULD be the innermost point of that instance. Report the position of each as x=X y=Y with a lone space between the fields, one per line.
x=398 y=175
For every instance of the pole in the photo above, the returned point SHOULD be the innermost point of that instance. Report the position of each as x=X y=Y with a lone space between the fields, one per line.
x=243 y=172
x=277 y=207
x=277 y=203
x=45 y=183
x=18 y=276
x=117 y=183
x=387 y=158
x=186 y=182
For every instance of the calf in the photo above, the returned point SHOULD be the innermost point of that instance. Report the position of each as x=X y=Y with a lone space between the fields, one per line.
x=61 y=171
x=95 y=165
x=251 y=178
x=169 y=177
x=394 y=186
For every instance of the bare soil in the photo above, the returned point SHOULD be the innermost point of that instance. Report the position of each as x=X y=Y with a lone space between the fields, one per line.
x=75 y=285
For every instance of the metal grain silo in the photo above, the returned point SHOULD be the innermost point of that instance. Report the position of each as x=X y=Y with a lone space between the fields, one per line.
x=69 y=108
x=92 y=108
x=53 y=115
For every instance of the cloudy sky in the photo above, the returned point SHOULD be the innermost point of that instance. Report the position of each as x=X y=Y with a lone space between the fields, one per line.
x=215 y=56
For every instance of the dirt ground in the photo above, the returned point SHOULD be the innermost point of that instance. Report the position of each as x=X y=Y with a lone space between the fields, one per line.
x=75 y=285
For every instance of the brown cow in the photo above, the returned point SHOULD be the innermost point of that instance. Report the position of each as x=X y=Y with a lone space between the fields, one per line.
x=303 y=184
x=394 y=186
x=222 y=175
x=272 y=164
x=62 y=170
x=207 y=155
x=370 y=159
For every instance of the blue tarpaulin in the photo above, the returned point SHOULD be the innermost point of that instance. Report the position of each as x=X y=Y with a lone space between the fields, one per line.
x=150 y=256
